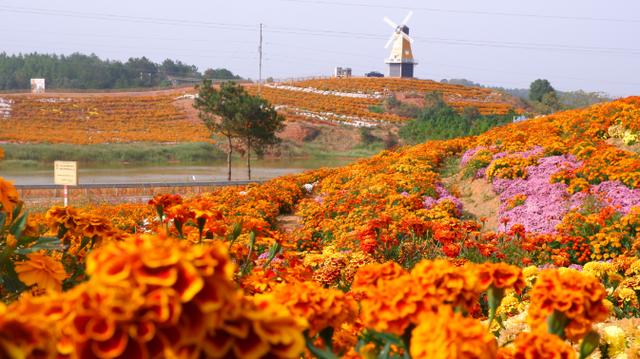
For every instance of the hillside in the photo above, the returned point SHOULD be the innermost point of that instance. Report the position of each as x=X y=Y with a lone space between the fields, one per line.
x=382 y=255
x=326 y=110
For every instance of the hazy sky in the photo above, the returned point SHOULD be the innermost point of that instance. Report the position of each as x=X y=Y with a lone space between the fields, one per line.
x=577 y=44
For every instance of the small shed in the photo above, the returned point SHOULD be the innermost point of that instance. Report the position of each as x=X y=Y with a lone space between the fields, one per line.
x=37 y=85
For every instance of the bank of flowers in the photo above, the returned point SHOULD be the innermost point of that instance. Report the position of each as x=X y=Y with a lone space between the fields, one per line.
x=384 y=259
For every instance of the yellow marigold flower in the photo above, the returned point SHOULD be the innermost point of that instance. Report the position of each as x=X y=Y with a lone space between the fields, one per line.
x=530 y=274
x=41 y=270
x=627 y=294
x=615 y=339
x=449 y=335
x=509 y=305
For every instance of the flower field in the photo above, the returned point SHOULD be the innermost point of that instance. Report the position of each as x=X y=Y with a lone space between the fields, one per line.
x=88 y=119
x=457 y=96
x=382 y=260
x=167 y=116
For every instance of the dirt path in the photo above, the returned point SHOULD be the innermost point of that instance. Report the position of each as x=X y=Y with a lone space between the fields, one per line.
x=477 y=197
x=620 y=145
x=289 y=223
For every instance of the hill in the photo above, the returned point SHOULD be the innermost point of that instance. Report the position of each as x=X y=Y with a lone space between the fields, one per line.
x=320 y=113
x=382 y=255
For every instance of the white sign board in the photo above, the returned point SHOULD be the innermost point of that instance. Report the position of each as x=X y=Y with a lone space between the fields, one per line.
x=37 y=85
x=65 y=173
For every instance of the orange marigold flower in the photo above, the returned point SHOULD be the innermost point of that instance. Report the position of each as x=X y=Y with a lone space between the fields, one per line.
x=569 y=293
x=391 y=306
x=373 y=273
x=259 y=327
x=8 y=196
x=322 y=307
x=41 y=270
x=537 y=345
x=25 y=332
x=441 y=282
x=449 y=335
x=500 y=275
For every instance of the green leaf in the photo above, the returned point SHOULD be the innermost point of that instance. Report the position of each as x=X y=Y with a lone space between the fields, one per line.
x=43 y=243
x=327 y=336
x=10 y=280
x=18 y=225
x=17 y=210
x=319 y=353
x=589 y=344
x=3 y=220
x=385 y=352
x=494 y=298
x=556 y=323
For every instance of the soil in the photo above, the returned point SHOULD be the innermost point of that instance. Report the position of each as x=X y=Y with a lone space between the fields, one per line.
x=477 y=197
x=289 y=223
x=617 y=142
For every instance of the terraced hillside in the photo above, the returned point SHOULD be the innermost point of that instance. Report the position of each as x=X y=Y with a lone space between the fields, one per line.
x=167 y=116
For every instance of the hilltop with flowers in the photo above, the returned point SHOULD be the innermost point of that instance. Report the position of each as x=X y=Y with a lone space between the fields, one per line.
x=321 y=112
x=382 y=258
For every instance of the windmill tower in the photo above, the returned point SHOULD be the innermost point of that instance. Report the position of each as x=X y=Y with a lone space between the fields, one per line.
x=400 y=60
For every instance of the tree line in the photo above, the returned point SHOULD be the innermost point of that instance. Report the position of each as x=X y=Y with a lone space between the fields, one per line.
x=79 y=71
x=542 y=97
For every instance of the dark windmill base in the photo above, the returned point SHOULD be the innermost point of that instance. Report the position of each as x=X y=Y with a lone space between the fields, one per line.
x=401 y=70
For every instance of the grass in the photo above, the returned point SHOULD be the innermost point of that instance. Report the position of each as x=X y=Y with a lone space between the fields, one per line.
x=320 y=150
x=30 y=155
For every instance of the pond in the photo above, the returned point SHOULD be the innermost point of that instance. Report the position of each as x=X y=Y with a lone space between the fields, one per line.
x=139 y=173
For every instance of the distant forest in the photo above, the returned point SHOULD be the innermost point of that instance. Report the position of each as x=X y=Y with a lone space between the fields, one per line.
x=78 y=71
x=567 y=99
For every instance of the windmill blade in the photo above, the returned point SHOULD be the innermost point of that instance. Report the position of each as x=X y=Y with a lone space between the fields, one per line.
x=391 y=23
x=406 y=19
x=407 y=37
x=393 y=37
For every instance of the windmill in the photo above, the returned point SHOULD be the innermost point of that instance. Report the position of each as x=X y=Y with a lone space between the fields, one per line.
x=401 y=58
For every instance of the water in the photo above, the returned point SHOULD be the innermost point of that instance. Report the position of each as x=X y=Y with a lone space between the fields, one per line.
x=137 y=173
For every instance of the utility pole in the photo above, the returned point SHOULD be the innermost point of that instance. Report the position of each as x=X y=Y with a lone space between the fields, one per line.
x=260 y=62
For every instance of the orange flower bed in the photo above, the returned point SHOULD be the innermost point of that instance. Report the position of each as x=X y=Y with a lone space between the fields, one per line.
x=458 y=96
x=339 y=105
x=98 y=119
x=382 y=262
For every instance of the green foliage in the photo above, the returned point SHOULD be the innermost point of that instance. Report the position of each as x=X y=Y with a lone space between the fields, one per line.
x=220 y=74
x=539 y=88
x=367 y=137
x=35 y=154
x=579 y=99
x=438 y=121
x=392 y=105
x=78 y=71
x=235 y=114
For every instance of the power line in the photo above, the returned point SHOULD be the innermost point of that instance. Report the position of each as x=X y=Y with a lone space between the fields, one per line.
x=332 y=33
x=466 y=12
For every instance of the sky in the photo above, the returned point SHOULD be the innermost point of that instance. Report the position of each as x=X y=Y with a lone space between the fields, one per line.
x=576 y=44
